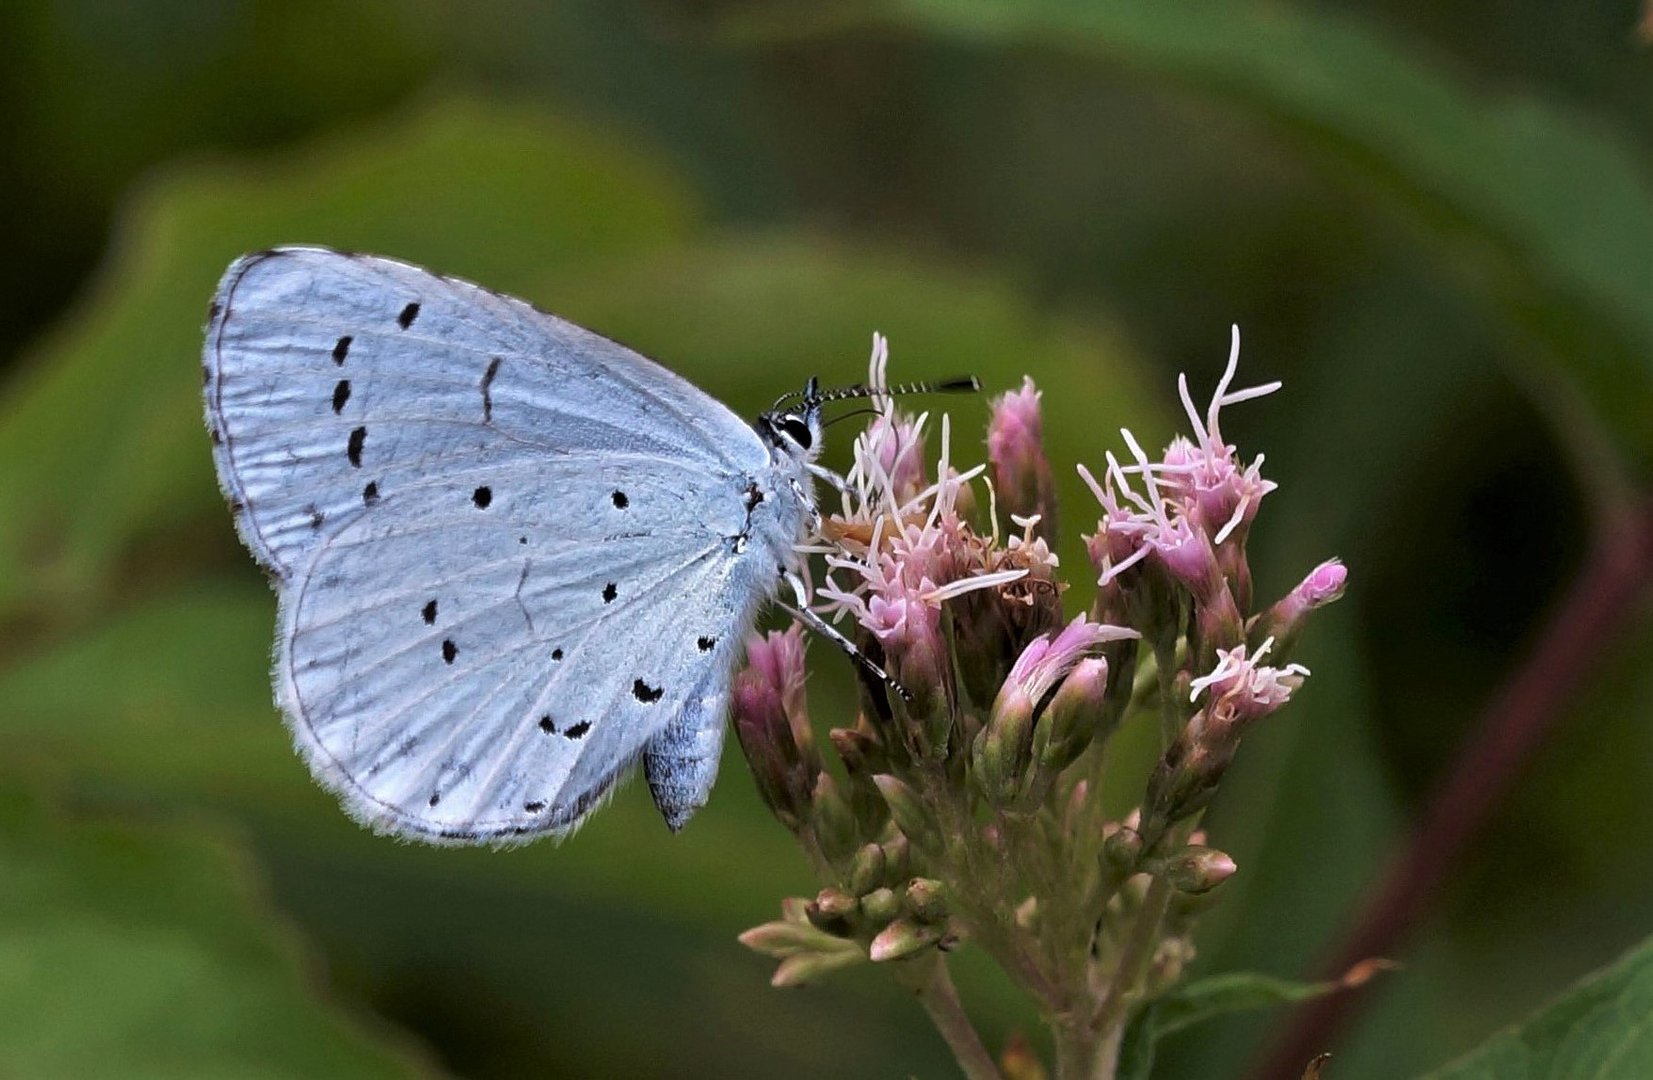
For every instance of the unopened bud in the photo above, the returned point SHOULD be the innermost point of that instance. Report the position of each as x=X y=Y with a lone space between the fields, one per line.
x=897 y=858
x=1284 y=621
x=771 y=752
x=866 y=869
x=835 y=826
x=926 y=900
x=1004 y=747
x=903 y=938
x=1120 y=852
x=808 y=967
x=832 y=910
x=1196 y=869
x=880 y=906
x=783 y=939
x=909 y=812
x=1015 y=448
x=1071 y=720
x=908 y=628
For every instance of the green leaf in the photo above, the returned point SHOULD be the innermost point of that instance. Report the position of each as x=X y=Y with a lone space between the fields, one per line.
x=1551 y=214
x=147 y=952
x=1204 y=999
x=1601 y=1029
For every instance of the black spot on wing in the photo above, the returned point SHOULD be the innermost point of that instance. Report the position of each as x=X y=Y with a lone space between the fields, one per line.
x=705 y=644
x=435 y=797
x=482 y=496
x=620 y=500
x=341 y=349
x=449 y=650
x=409 y=313
x=353 y=450
x=315 y=513
x=578 y=730
x=547 y=726
x=556 y=654
x=645 y=693
x=533 y=807
x=487 y=384
x=370 y=493
x=341 y=394
x=428 y=612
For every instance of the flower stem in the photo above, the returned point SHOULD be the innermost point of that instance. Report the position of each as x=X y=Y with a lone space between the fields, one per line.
x=928 y=979
x=1134 y=958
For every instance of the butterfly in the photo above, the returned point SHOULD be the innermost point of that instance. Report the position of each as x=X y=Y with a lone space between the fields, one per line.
x=513 y=557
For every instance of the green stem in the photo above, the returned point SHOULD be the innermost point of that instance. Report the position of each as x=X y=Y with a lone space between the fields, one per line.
x=1134 y=959
x=928 y=979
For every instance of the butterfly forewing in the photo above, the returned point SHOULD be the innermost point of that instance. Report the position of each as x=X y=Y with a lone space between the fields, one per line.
x=507 y=549
x=333 y=379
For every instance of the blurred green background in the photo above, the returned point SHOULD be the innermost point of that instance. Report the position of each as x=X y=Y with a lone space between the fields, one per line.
x=1433 y=221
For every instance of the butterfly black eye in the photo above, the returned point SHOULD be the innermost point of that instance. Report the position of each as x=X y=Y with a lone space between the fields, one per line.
x=797 y=431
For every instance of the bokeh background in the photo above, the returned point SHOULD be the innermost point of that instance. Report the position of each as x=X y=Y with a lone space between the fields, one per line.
x=1433 y=221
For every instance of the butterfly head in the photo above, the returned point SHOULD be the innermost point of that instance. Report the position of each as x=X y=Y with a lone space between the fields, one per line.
x=794 y=427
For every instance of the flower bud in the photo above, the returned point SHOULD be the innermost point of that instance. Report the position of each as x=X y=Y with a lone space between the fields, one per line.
x=832 y=909
x=1196 y=869
x=834 y=821
x=897 y=858
x=783 y=939
x=880 y=906
x=771 y=753
x=1003 y=748
x=808 y=967
x=866 y=870
x=909 y=812
x=926 y=900
x=1120 y=852
x=1015 y=449
x=904 y=938
x=1284 y=621
x=908 y=628
x=1073 y=716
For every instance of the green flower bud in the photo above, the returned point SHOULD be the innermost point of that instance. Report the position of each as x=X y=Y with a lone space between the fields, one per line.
x=1198 y=869
x=1004 y=747
x=834 y=821
x=880 y=906
x=926 y=900
x=1073 y=717
x=904 y=938
x=866 y=870
x=832 y=911
x=911 y=816
x=1120 y=853
x=808 y=967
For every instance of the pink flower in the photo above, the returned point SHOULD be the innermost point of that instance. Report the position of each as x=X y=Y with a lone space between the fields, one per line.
x=1048 y=659
x=1015 y=448
x=1242 y=688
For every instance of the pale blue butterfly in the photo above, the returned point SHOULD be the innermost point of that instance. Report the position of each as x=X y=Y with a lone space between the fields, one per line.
x=513 y=557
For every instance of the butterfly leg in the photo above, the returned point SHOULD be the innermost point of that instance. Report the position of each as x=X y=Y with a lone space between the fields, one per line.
x=821 y=472
x=820 y=626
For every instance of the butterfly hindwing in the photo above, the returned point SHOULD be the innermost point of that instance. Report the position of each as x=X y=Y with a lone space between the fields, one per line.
x=470 y=673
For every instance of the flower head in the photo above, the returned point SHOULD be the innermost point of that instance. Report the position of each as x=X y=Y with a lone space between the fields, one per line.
x=1195 y=499
x=1243 y=688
